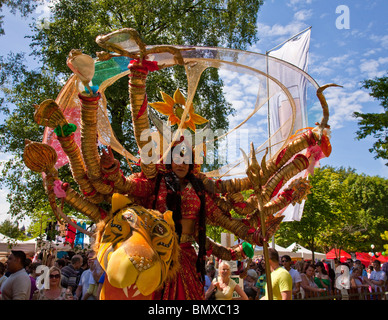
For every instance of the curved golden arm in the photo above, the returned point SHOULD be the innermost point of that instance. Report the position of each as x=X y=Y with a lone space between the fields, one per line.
x=89 y=148
x=224 y=253
x=78 y=169
x=226 y=186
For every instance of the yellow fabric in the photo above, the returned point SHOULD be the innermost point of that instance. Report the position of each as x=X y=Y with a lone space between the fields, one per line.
x=226 y=293
x=281 y=281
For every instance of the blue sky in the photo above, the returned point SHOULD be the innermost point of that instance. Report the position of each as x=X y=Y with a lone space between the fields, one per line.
x=345 y=56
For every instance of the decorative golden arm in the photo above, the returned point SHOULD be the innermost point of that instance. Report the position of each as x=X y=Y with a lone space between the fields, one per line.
x=89 y=143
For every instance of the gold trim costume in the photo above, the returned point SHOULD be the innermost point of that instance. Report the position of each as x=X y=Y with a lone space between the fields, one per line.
x=143 y=217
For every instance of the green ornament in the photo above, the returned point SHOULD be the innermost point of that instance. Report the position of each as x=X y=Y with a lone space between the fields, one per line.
x=66 y=130
x=248 y=249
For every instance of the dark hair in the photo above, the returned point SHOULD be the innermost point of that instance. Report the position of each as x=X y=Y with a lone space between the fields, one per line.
x=308 y=265
x=320 y=264
x=377 y=261
x=61 y=262
x=287 y=257
x=21 y=256
x=273 y=255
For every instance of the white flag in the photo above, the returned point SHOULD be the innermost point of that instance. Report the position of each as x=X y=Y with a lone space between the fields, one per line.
x=294 y=51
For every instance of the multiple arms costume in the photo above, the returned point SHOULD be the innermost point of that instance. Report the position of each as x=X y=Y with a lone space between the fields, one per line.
x=99 y=177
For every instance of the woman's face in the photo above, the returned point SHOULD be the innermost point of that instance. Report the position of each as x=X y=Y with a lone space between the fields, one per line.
x=310 y=271
x=357 y=271
x=55 y=277
x=224 y=271
x=180 y=166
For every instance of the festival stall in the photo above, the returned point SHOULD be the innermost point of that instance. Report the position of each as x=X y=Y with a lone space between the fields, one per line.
x=368 y=258
x=7 y=244
x=338 y=254
x=299 y=252
x=282 y=251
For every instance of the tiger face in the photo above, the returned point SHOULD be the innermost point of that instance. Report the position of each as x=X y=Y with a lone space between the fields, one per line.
x=137 y=249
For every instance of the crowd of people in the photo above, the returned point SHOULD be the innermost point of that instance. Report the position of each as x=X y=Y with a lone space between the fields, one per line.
x=80 y=277
x=73 y=277
x=305 y=278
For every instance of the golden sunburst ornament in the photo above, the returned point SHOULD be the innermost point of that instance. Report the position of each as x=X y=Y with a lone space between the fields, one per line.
x=174 y=108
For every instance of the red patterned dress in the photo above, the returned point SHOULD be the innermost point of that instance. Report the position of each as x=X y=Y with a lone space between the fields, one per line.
x=187 y=285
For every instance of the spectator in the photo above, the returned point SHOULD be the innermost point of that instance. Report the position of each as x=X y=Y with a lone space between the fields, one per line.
x=70 y=273
x=281 y=280
x=385 y=268
x=369 y=270
x=349 y=262
x=295 y=275
x=210 y=272
x=33 y=275
x=60 y=263
x=55 y=291
x=357 y=280
x=357 y=264
x=308 y=284
x=321 y=277
x=331 y=274
x=262 y=279
x=378 y=277
x=224 y=285
x=250 y=280
x=299 y=266
x=87 y=287
x=18 y=285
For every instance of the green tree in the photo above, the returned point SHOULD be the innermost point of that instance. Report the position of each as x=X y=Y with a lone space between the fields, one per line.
x=75 y=24
x=370 y=193
x=332 y=216
x=376 y=124
x=11 y=230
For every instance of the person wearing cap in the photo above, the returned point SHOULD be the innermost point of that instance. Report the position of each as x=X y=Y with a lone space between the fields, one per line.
x=250 y=284
x=280 y=279
x=18 y=285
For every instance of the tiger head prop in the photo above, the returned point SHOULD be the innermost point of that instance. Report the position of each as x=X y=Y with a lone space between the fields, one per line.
x=138 y=249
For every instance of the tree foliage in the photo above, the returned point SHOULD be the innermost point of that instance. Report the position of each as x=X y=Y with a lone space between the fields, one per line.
x=376 y=124
x=75 y=25
x=345 y=210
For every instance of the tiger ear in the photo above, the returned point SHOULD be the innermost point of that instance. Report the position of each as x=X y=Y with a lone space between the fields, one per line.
x=120 y=201
x=168 y=217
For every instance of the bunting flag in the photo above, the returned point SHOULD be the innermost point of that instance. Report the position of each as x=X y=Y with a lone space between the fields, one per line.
x=294 y=51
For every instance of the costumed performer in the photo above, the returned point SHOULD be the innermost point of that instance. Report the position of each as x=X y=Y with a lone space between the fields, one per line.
x=179 y=189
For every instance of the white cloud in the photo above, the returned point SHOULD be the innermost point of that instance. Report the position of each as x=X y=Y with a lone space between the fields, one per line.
x=279 y=30
x=296 y=3
x=374 y=67
x=343 y=103
x=382 y=40
x=303 y=15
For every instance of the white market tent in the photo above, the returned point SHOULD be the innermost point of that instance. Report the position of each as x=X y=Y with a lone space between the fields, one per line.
x=282 y=251
x=30 y=246
x=7 y=244
x=297 y=251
